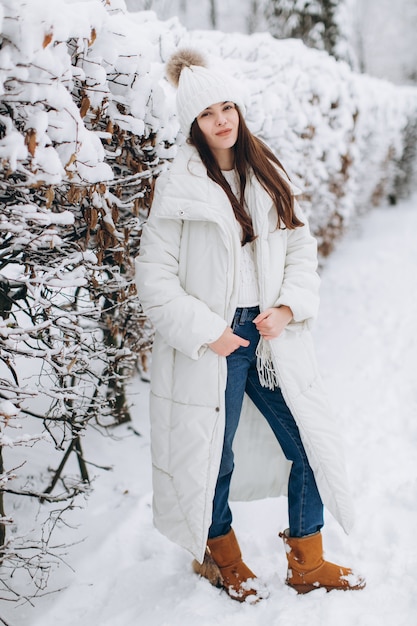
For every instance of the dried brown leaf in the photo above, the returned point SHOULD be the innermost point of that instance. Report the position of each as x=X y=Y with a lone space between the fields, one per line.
x=85 y=105
x=72 y=160
x=91 y=217
x=93 y=37
x=47 y=39
x=50 y=195
x=71 y=365
x=30 y=141
x=109 y=129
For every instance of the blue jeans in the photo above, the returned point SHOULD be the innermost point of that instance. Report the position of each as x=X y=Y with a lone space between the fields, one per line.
x=305 y=507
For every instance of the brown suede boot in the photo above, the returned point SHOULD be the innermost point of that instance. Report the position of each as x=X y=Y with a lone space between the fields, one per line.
x=307 y=570
x=223 y=567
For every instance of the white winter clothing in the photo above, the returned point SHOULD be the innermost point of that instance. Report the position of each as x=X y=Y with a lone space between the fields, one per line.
x=248 y=290
x=187 y=278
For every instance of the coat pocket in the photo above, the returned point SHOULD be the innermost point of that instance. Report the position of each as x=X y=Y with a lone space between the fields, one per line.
x=295 y=361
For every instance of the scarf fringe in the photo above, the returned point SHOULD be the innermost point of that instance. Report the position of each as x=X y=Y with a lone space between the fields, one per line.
x=264 y=365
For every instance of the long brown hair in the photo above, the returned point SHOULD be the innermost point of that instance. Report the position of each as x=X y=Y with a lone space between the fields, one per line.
x=250 y=153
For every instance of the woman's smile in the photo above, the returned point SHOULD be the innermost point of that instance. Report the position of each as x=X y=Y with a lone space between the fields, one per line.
x=224 y=133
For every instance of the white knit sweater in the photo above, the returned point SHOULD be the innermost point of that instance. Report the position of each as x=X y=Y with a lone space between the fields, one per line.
x=248 y=281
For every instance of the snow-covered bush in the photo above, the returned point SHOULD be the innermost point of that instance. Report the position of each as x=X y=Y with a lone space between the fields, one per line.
x=79 y=143
x=86 y=123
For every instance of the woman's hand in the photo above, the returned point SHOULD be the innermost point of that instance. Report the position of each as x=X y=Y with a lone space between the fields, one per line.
x=227 y=343
x=272 y=322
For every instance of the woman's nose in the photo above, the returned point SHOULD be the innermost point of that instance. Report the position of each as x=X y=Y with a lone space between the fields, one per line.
x=220 y=119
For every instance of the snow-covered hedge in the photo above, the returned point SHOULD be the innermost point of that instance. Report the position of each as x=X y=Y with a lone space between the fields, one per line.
x=73 y=72
x=348 y=140
x=87 y=121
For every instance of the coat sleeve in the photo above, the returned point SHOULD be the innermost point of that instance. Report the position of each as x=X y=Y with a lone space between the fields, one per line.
x=185 y=322
x=300 y=287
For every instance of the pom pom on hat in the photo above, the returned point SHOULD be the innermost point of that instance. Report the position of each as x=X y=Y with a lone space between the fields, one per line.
x=198 y=87
x=181 y=59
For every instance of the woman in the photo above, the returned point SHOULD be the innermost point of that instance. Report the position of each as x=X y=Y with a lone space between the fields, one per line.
x=227 y=274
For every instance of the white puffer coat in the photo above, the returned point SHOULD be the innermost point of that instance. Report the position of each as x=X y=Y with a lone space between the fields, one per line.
x=187 y=278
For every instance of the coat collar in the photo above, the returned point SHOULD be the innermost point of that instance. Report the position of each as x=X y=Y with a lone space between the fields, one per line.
x=186 y=192
x=183 y=191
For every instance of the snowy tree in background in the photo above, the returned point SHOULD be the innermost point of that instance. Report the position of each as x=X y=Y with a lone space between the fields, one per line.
x=387 y=39
x=375 y=36
x=318 y=23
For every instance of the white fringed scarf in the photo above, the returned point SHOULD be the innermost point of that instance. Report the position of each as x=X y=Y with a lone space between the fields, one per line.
x=265 y=366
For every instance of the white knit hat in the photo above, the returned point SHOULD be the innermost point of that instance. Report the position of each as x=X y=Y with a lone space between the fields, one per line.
x=199 y=87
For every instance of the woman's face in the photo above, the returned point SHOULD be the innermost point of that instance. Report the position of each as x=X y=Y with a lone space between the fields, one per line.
x=219 y=124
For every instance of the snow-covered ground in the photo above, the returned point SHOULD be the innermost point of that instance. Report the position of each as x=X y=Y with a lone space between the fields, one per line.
x=126 y=574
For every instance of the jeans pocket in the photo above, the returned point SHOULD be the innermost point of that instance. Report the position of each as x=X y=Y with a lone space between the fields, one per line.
x=243 y=315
